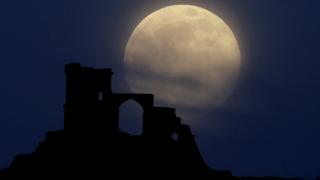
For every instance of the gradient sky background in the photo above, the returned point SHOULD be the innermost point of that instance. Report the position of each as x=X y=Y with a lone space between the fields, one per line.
x=269 y=126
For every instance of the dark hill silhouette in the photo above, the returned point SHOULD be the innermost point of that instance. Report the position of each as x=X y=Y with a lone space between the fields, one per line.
x=92 y=146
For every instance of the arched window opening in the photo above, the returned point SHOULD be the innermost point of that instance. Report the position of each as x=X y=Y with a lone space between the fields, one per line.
x=131 y=118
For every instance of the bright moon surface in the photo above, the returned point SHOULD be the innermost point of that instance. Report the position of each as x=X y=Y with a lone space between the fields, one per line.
x=186 y=56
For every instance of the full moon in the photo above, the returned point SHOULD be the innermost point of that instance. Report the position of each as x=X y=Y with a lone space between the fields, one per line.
x=186 y=56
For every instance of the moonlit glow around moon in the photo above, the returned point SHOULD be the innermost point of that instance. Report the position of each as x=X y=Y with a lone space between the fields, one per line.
x=185 y=55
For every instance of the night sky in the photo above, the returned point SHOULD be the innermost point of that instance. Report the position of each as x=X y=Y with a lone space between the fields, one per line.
x=270 y=125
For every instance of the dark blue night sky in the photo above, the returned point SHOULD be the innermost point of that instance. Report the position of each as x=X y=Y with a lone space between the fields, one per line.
x=269 y=126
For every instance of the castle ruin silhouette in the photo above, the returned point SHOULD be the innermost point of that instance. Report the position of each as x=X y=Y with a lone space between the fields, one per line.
x=92 y=106
x=92 y=146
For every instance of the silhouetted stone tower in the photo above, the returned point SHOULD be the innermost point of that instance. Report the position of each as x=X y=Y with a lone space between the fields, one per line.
x=87 y=91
